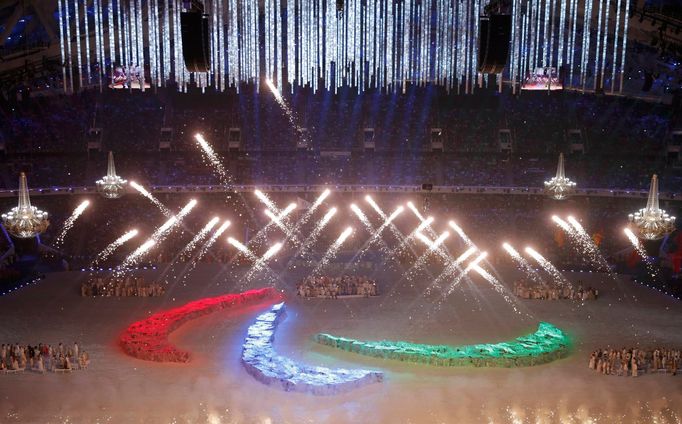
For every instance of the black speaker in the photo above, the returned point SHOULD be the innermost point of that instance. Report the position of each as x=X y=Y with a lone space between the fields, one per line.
x=494 y=39
x=195 y=41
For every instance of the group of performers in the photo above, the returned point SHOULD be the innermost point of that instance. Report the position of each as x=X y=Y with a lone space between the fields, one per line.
x=333 y=287
x=635 y=361
x=127 y=286
x=43 y=357
x=528 y=290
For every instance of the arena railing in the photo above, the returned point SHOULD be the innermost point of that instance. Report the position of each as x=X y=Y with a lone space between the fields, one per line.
x=354 y=188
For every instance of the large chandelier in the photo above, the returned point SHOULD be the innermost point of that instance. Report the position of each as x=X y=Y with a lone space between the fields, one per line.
x=111 y=186
x=25 y=221
x=560 y=187
x=652 y=222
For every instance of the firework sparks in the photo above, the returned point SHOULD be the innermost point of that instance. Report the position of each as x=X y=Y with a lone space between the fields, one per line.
x=68 y=224
x=461 y=233
x=547 y=266
x=639 y=248
x=523 y=263
x=104 y=254
x=164 y=210
x=333 y=250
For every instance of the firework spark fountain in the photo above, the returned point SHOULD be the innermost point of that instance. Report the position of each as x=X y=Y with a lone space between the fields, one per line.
x=243 y=249
x=398 y=235
x=104 y=254
x=433 y=245
x=547 y=266
x=463 y=274
x=262 y=261
x=200 y=235
x=461 y=233
x=639 y=248
x=333 y=250
x=589 y=247
x=266 y=201
x=68 y=224
x=157 y=236
x=451 y=268
x=214 y=160
x=523 y=263
x=376 y=236
x=362 y=217
x=291 y=116
x=164 y=210
x=210 y=242
x=308 y=242
x=499 y=288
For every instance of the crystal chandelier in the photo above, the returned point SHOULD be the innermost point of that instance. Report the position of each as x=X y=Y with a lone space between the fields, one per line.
x=111 y=186
x=559 y=187
x=25 y=221
x=652 y=222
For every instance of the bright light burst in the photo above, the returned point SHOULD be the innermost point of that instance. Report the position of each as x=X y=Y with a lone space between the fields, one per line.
x=308 y=242
x=214 y=160
x=200 y=235
x=157 y=236
x=523 y=263
x=589 y=247
x=547 y=265
x=362 y=217
x=461 y=233
x=333 y=250
x=164 y=210
x=464 y=272
x=68 y=224
x=262 y=261
x=266 y=200
x=210 y=242
x=104 y=254
x=242 y=248
x=639 y=248
x=451 y=268
x=398 y=235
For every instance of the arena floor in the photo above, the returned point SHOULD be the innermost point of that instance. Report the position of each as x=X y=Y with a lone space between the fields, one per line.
x=215 y=388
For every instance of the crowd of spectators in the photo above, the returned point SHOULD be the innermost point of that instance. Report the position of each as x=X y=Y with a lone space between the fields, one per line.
x=625 y=139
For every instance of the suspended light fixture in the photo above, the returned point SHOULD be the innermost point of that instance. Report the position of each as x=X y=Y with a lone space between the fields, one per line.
x=25 y=221
x=560 y=187
x=652 y=222
x=111 y=185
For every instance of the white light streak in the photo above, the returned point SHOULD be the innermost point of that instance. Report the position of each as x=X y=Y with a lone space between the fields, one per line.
x=104 y=254
x=151 y=198
x=68 y=224
x=547 y=266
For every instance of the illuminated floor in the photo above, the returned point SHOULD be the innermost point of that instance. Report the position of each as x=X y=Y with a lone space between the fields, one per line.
x=214 y=387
